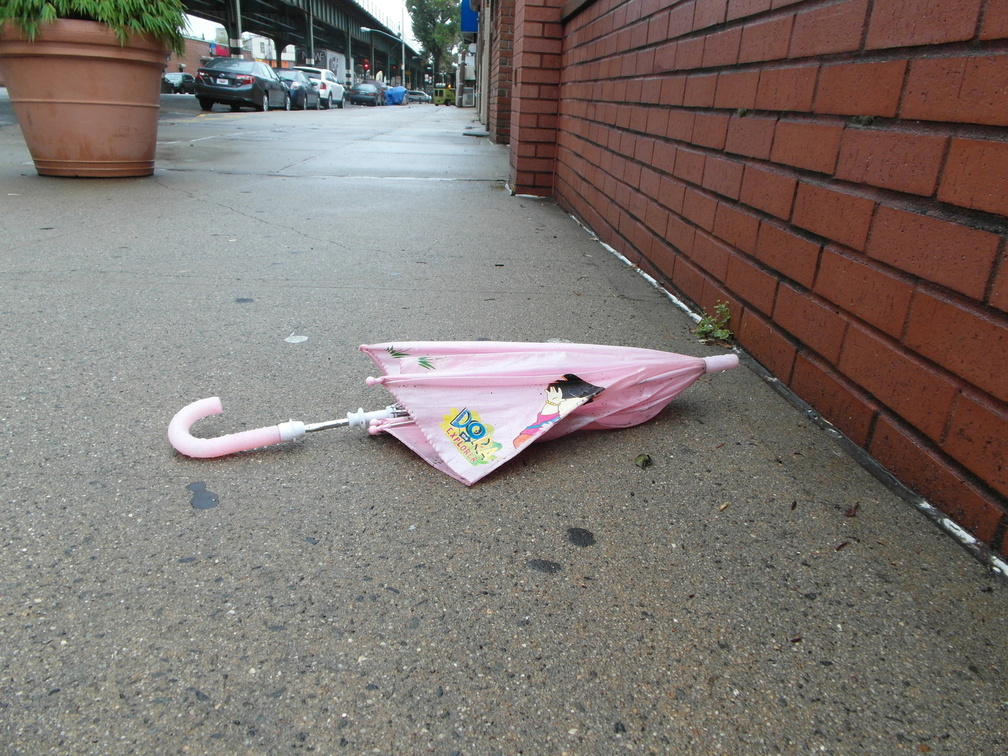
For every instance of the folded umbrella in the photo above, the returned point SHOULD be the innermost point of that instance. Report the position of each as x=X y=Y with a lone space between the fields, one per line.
x=469 y=407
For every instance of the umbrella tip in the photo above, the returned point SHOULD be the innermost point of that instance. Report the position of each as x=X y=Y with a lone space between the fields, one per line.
x=372 y=381
x=721 y=362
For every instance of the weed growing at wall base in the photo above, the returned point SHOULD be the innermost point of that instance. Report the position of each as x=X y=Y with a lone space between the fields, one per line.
x=713 y=329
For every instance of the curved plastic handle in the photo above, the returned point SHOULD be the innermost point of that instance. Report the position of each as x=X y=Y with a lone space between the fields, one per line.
x=204 y=448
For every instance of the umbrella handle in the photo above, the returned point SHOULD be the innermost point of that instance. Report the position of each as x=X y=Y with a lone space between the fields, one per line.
x=720 y=362
x=204 y=448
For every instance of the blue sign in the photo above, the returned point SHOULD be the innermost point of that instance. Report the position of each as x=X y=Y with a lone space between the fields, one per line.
x=470 y=18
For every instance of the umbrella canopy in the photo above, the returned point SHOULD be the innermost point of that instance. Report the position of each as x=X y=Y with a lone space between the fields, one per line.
x=472 y=406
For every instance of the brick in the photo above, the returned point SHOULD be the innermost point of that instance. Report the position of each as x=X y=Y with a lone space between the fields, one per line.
x=736 y=89
x=650 y=183
x=663 y=259
x=711 y=255
x=945 y=253
x=810 y=320
x=860 y=89
x=806 y=144
x=790 y=254
x=995 y=22
x=657 y=28
x=978 y=440
x=902 y=161
x=999 y=292
x=689 y=54
x=838 y=216
x=680 y=234
x=709 y=13
x=672 y=90
x=651 y=90
x=765 y=40
x=864 y=290
x=700 y=91
x=906 y=23
x=680 y=124
x=743 y=8
x=644 y=63
x=975 y=174
x=905 y=384
x=644 y=150
x=689 y=165
x=965 y=90
x=786 y=88
x=689 y=279
x=935 y=477
x=766 y=343
x=737 y=227
x=681 y=20
x=750 y=282
x=965 y=341
x=832 y=29
x=710 y=130
x=699 y=208
x=833 y=397
x=769 y=191
x=657 y=122
x=751 y=136
x=722 y=176
x=672 y=193
x=656 y=218
x=721 y=48
x=665 y=57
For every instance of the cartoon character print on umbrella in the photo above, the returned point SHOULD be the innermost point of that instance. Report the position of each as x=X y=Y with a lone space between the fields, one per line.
x=563 y=396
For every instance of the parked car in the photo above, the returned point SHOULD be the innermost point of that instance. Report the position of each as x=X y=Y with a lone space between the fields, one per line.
x=237 y=82
x=330 y=90
x=304 y=91
x=366 y=93
x=178 y=83
x=415 y=95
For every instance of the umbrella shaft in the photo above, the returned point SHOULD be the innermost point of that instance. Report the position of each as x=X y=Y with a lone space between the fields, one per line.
x=359 y=419
x=326 y=425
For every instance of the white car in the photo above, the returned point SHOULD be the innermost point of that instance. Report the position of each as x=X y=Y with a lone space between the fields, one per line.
x=331 y=92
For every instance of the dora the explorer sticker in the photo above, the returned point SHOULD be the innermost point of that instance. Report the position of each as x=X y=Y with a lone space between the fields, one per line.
x=474 y=439
x=471 y=436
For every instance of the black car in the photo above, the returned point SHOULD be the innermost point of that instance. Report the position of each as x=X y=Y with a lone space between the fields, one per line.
x=365 y=93
x=240 y=83
x=178 y=83
x=304 y=93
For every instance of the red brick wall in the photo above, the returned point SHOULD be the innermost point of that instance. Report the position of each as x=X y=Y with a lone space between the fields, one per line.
x=535 y=95
x=501 y=71
x=838 y=172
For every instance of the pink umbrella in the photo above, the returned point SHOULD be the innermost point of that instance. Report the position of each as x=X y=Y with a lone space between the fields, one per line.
x=469 y=407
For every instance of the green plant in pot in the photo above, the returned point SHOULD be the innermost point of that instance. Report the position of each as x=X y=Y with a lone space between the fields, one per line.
x=84 y=79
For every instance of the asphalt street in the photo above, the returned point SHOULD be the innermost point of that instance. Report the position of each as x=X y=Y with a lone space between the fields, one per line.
x=752 y=590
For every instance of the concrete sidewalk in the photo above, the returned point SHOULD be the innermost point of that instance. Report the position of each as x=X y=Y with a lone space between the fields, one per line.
x=754 y=590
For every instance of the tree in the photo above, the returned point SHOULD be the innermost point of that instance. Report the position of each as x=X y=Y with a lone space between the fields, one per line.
x=436 y=26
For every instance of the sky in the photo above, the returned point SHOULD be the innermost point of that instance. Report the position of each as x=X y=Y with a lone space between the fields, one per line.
x=392 y=10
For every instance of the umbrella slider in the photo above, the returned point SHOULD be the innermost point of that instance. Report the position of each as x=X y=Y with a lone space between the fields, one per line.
x=358 y=419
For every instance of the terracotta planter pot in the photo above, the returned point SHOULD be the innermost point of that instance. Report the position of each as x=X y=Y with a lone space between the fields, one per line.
x=87 y=106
